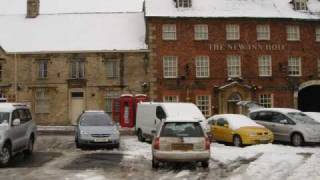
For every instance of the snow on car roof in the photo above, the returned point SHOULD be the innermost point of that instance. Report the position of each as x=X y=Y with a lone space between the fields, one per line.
x=237 y=121
x=8 y=107
x=313 y=115
x=281 y=110
x=233 y=8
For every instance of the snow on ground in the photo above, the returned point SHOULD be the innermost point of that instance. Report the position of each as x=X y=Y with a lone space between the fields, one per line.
x=131 y=145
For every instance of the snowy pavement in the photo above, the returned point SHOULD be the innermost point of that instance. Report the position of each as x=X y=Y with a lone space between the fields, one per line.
x=57 y=158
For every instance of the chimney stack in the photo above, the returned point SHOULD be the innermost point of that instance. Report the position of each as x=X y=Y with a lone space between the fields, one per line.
x=33 y=8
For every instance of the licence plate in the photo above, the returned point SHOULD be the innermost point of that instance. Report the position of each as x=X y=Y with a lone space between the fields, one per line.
x=101 y=140
x=182 y=147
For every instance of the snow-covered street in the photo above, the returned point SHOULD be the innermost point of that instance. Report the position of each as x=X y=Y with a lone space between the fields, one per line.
x=56 y=158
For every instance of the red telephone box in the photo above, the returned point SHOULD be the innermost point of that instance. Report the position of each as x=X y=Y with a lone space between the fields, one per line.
x=140 y=98
x=127 y=111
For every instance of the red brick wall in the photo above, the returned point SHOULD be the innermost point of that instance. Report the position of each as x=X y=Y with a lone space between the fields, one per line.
x=186 y=48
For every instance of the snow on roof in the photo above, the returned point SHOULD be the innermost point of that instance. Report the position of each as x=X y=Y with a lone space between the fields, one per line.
x=183 y=111
x=73 y=33
x=281 y=110
x=237 y=121
x=13 y=7
x=87 y=6
x=232 y=8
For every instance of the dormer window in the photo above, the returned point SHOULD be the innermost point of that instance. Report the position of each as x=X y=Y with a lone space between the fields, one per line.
x=300 y=4
x=183 y=3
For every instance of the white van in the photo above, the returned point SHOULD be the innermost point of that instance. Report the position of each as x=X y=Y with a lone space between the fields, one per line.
x=150 y=114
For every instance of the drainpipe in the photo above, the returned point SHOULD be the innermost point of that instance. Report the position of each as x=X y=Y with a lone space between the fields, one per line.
x=15 y=78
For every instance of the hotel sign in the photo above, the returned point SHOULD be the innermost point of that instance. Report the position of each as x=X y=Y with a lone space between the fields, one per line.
x=247 y=47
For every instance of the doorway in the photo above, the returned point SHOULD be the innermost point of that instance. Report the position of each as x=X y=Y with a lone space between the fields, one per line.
x=77 y=106
x=309 y=99
x=233 y=107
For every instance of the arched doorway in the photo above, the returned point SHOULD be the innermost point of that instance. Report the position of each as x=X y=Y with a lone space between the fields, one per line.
x=233 y=99
x=309 y=98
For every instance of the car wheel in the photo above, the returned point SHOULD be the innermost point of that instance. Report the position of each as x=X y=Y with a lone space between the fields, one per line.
x=297 y=140
x=140 y=136
x=155 y=163
x=5 y=155
x=237 y=141
x=117 y=146
x=205 y=164
x=78 y=145
x=29 y=149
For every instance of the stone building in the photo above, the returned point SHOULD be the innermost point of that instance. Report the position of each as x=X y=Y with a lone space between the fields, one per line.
x=216 y=53
x=64 y=56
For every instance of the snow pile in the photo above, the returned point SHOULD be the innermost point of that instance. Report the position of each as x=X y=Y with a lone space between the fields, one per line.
x=131 y=145
x=233 y=8
x=237 y=121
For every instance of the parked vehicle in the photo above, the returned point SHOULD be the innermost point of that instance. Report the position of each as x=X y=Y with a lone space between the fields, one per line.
x=149 y=115
x=96 y=128
x=239 y=130
x=180 y=141
x=17 y=131
x=288 y=125
x=313 y=115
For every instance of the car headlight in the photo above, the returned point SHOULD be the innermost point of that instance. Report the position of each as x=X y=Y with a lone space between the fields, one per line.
x=252 y=134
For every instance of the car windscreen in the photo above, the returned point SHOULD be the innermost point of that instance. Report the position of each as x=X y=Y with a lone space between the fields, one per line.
x=93 y=119
x=181 y=129
x=4 y=116
x=301 y=117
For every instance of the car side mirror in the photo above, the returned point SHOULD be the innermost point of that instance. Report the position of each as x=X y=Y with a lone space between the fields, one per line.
x=16 y=122
x=284 y=121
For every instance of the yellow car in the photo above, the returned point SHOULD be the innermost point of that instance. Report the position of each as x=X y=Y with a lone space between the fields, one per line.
x=238 y=129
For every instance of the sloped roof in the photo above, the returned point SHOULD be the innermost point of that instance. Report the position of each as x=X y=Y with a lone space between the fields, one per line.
x=233 y=8
x=73 y=26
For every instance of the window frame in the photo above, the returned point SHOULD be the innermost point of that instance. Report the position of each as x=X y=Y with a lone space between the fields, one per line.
x=202 y=66
x=114 y=64
x=1 y=70
x=169 y=98
x=201 y=32
x=300 y=5
x=169 y=32
x=317 y=33
x=42 y=102
x=266 y=100
x=184 y=3
x=232 y=72
x=290 y=66
x=43 y=69
x=171 y=71
x=265 y=65
x=79 y=66
x=202 y=107
x=263 y=32
x=232 y=32
x=293 y=33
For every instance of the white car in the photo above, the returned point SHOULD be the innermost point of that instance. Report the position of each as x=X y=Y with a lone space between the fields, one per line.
x=180 y=141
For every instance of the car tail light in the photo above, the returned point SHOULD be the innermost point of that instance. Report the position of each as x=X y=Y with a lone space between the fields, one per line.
x=208 y=143
x=156 y=144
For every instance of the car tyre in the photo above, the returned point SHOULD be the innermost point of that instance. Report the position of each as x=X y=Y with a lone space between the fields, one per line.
x=237 y=141
x=5 y=155
x=29 y=149
x=297 y=139
x=205 y=164
x=140 y=136
x=78 y=144
x=155 y=163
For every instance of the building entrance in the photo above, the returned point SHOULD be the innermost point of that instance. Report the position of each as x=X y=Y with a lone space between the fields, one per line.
x=309 y=99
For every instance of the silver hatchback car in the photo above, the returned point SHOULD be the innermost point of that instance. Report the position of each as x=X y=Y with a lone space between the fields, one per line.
x=180 y=141
x=96 y=128
x=288 y=125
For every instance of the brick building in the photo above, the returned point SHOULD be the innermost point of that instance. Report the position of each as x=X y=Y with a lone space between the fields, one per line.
x=216 y=53
x=64 y=56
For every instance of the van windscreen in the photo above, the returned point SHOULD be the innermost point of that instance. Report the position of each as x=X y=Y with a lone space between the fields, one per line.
x=181 y=129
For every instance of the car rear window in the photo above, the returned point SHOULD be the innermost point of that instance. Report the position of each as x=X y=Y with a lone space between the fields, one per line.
x=182 y=129
x=95 y=119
